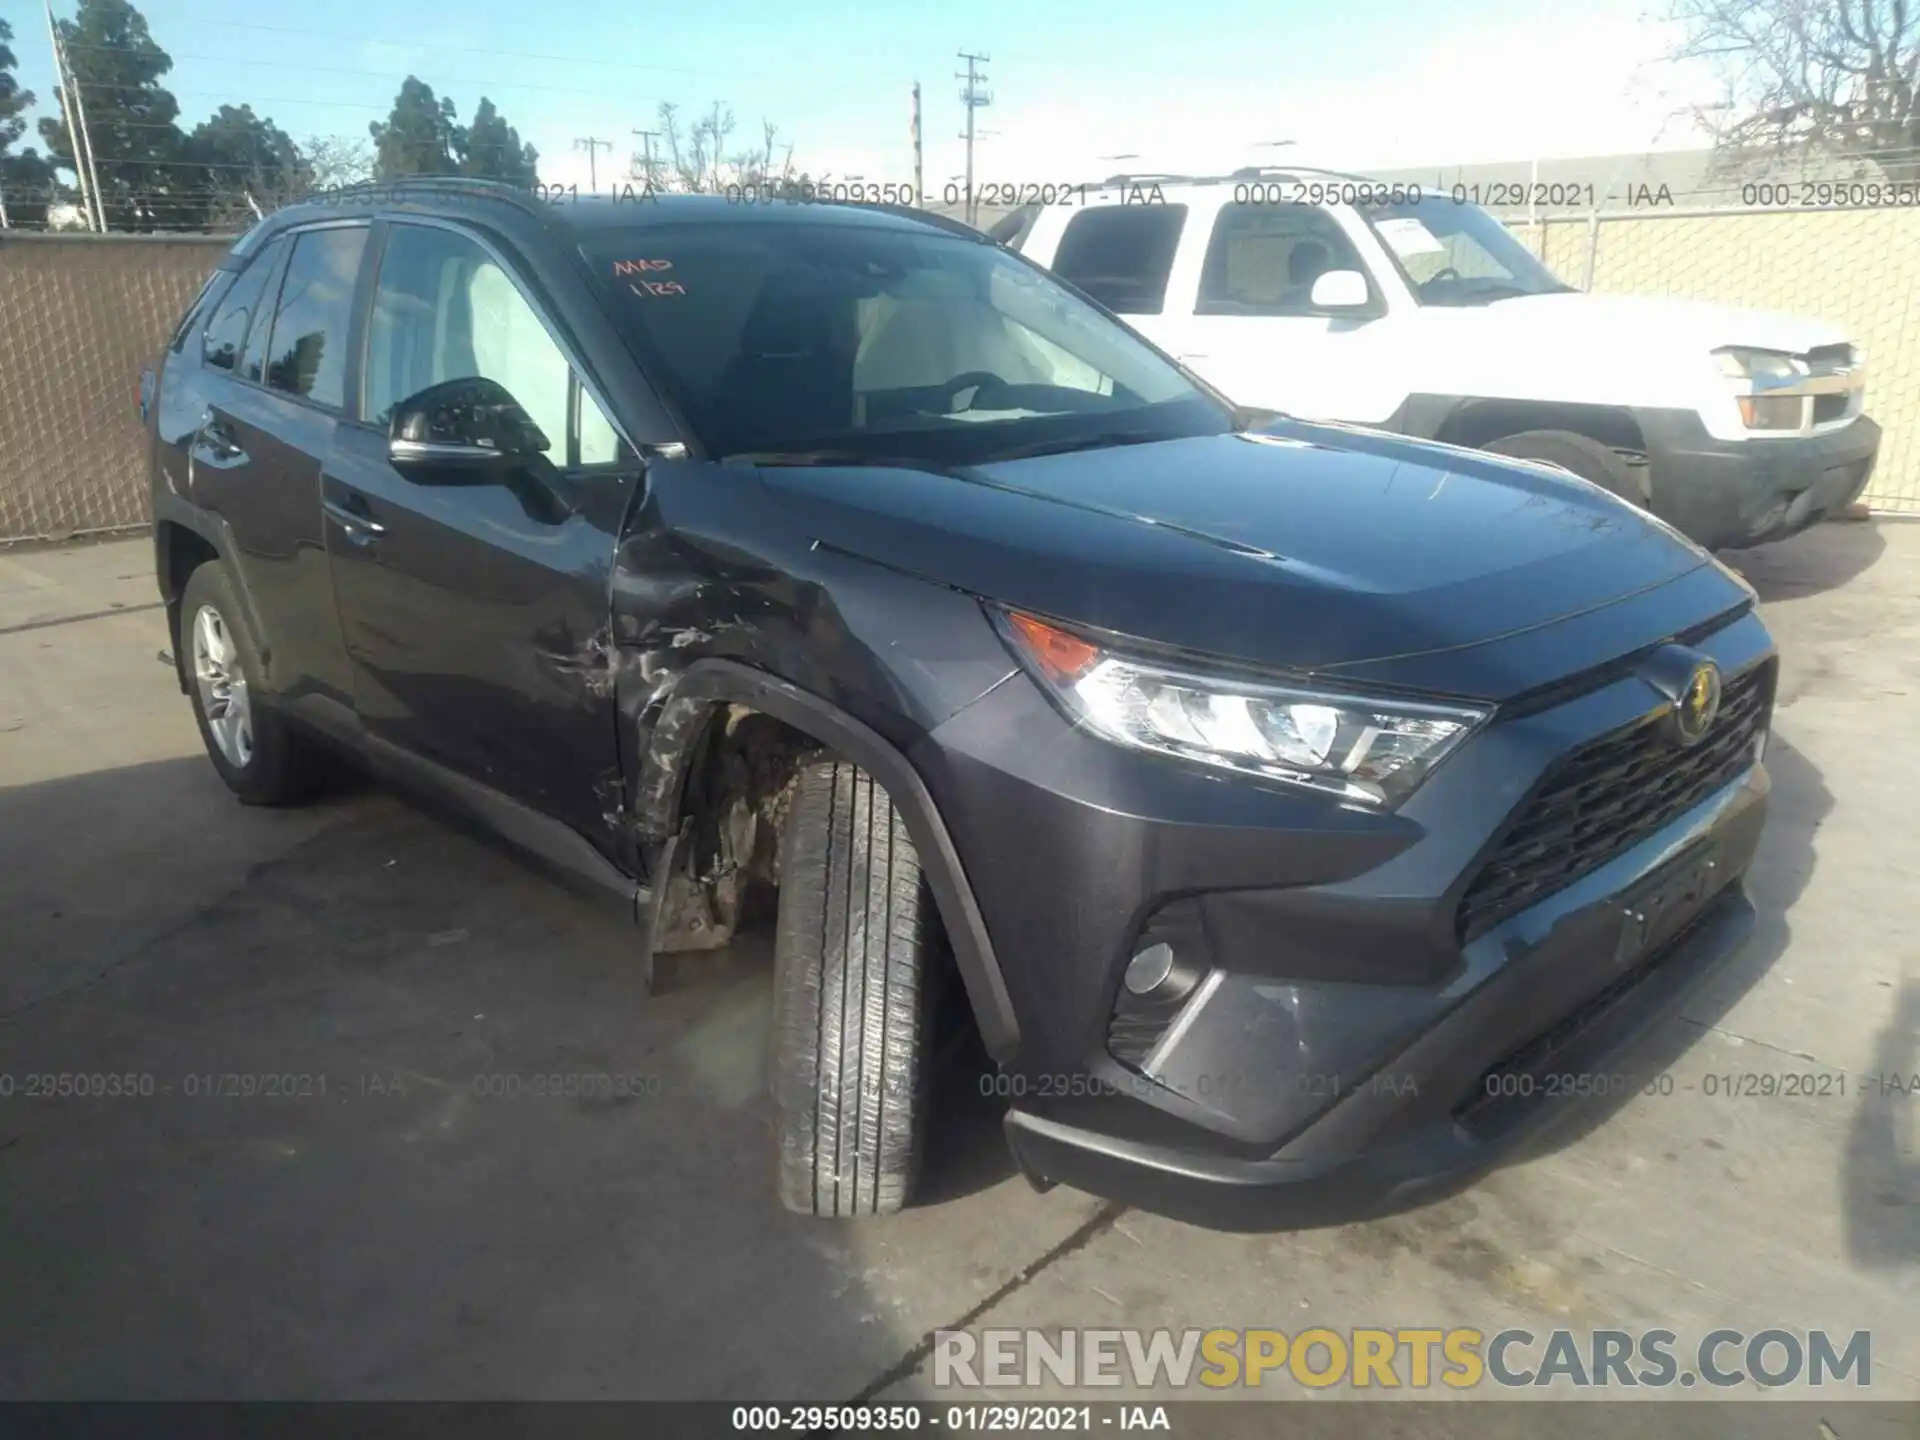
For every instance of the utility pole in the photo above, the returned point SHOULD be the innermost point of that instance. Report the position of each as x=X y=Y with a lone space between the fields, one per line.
x=646 y=150
x=919 y=185
x=70 y=107
x=974 y=98
x=5 y=224
x=593 y=145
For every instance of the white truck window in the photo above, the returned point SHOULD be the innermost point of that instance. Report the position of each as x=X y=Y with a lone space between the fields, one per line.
x=1121 y=255
x=1263 y=259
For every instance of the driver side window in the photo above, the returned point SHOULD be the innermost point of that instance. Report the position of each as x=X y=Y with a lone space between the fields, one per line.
x=1263 y=259
x=444 y=310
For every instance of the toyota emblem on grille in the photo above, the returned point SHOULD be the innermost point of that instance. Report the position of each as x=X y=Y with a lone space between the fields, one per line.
x=1691 y=685
x=1698 y=705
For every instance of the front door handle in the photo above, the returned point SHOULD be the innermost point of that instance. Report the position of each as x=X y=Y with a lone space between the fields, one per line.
x=352 y=515
x=217 y=442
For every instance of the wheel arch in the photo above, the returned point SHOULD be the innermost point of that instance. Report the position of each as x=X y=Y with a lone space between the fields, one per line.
x=184 y=539
x=697 y=704
x=1472 y=421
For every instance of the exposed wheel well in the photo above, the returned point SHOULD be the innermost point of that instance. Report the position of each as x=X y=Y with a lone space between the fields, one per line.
x=724 y=875
x=1479 y=422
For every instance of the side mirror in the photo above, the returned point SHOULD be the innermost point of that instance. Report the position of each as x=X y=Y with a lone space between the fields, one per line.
x=466 y=422
x=1341 y=290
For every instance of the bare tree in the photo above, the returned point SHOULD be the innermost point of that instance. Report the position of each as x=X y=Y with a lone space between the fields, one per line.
x=336 y=160
x=1838 y=76
x=696 y=159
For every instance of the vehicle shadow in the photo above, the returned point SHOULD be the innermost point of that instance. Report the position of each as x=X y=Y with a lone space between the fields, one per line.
x=1822 y=558
x=393 y=1118
x=1881 y=1179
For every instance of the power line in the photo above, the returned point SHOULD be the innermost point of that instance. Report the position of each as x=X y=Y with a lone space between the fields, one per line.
x=451 y=49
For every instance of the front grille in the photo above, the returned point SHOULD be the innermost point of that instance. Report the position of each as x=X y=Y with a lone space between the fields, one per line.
x=1608 y=796
x=1829 y=407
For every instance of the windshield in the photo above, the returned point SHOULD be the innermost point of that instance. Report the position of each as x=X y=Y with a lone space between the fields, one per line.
x=1455 y=254
x=818 y=337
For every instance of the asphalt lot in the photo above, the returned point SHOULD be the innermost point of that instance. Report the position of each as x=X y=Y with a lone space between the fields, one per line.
x=404 y=1236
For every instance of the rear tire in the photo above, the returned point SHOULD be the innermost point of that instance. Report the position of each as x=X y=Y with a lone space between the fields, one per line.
x=1589 y=459
x=855 y=943
x=261 y=758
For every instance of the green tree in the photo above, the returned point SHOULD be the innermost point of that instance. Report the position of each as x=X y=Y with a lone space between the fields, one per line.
x=26 y=180
x=242 y=156
x=490 y=148
x=418 y=137
x=139 y=154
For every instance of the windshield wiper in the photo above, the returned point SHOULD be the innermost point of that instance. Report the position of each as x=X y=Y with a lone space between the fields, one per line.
x=1099 y=440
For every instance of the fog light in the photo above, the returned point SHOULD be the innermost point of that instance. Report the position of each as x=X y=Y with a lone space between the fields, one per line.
x=1148 y=970
x=1771 y=412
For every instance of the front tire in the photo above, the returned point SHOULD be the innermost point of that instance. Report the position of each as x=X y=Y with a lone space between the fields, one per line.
x=855 y=943
x=261 y=759
x=1587 y=458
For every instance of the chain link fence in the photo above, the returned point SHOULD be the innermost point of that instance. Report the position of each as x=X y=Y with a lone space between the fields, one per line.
x=81 y=315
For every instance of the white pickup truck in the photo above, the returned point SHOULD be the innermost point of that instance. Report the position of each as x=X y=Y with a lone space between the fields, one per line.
x=1335 y=297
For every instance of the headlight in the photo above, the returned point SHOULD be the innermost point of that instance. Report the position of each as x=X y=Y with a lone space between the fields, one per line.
x=1765 y=366
x=1372 y=751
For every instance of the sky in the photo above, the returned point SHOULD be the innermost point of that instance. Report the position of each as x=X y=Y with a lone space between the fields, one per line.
x=1079 y=89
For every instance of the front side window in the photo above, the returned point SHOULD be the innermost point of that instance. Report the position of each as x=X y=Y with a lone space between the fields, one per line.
x=1453 y=254
x=234 y=316
x=307 y=347
x=1121 y=255
x=1264 y=259
x=443 y=310
x=810 y=335
x=198 y=309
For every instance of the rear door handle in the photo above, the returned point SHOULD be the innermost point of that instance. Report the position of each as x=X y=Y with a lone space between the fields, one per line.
x=351 y=513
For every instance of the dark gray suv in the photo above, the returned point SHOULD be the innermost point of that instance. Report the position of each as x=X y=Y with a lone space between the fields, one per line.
x=1300 y=813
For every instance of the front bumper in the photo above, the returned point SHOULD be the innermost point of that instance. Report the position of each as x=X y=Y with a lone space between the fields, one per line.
x=1353 y=1050
x=1728 y=494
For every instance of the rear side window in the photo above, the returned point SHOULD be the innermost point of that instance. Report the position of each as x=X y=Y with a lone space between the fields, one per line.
x=1121 y=255
x=1264 y=259
x=307 y=348
x=227 y=331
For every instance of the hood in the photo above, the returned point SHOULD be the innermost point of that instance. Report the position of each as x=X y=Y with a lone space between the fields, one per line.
x=1641 y=321
x=1303 y=548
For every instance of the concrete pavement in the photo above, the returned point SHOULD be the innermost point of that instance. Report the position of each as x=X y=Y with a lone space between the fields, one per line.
x=389 y=1229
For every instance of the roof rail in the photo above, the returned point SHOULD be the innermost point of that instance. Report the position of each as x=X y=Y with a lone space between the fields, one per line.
x=1149 y=177
x=1245 y=172
x=402 y=186
x=949 y=223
